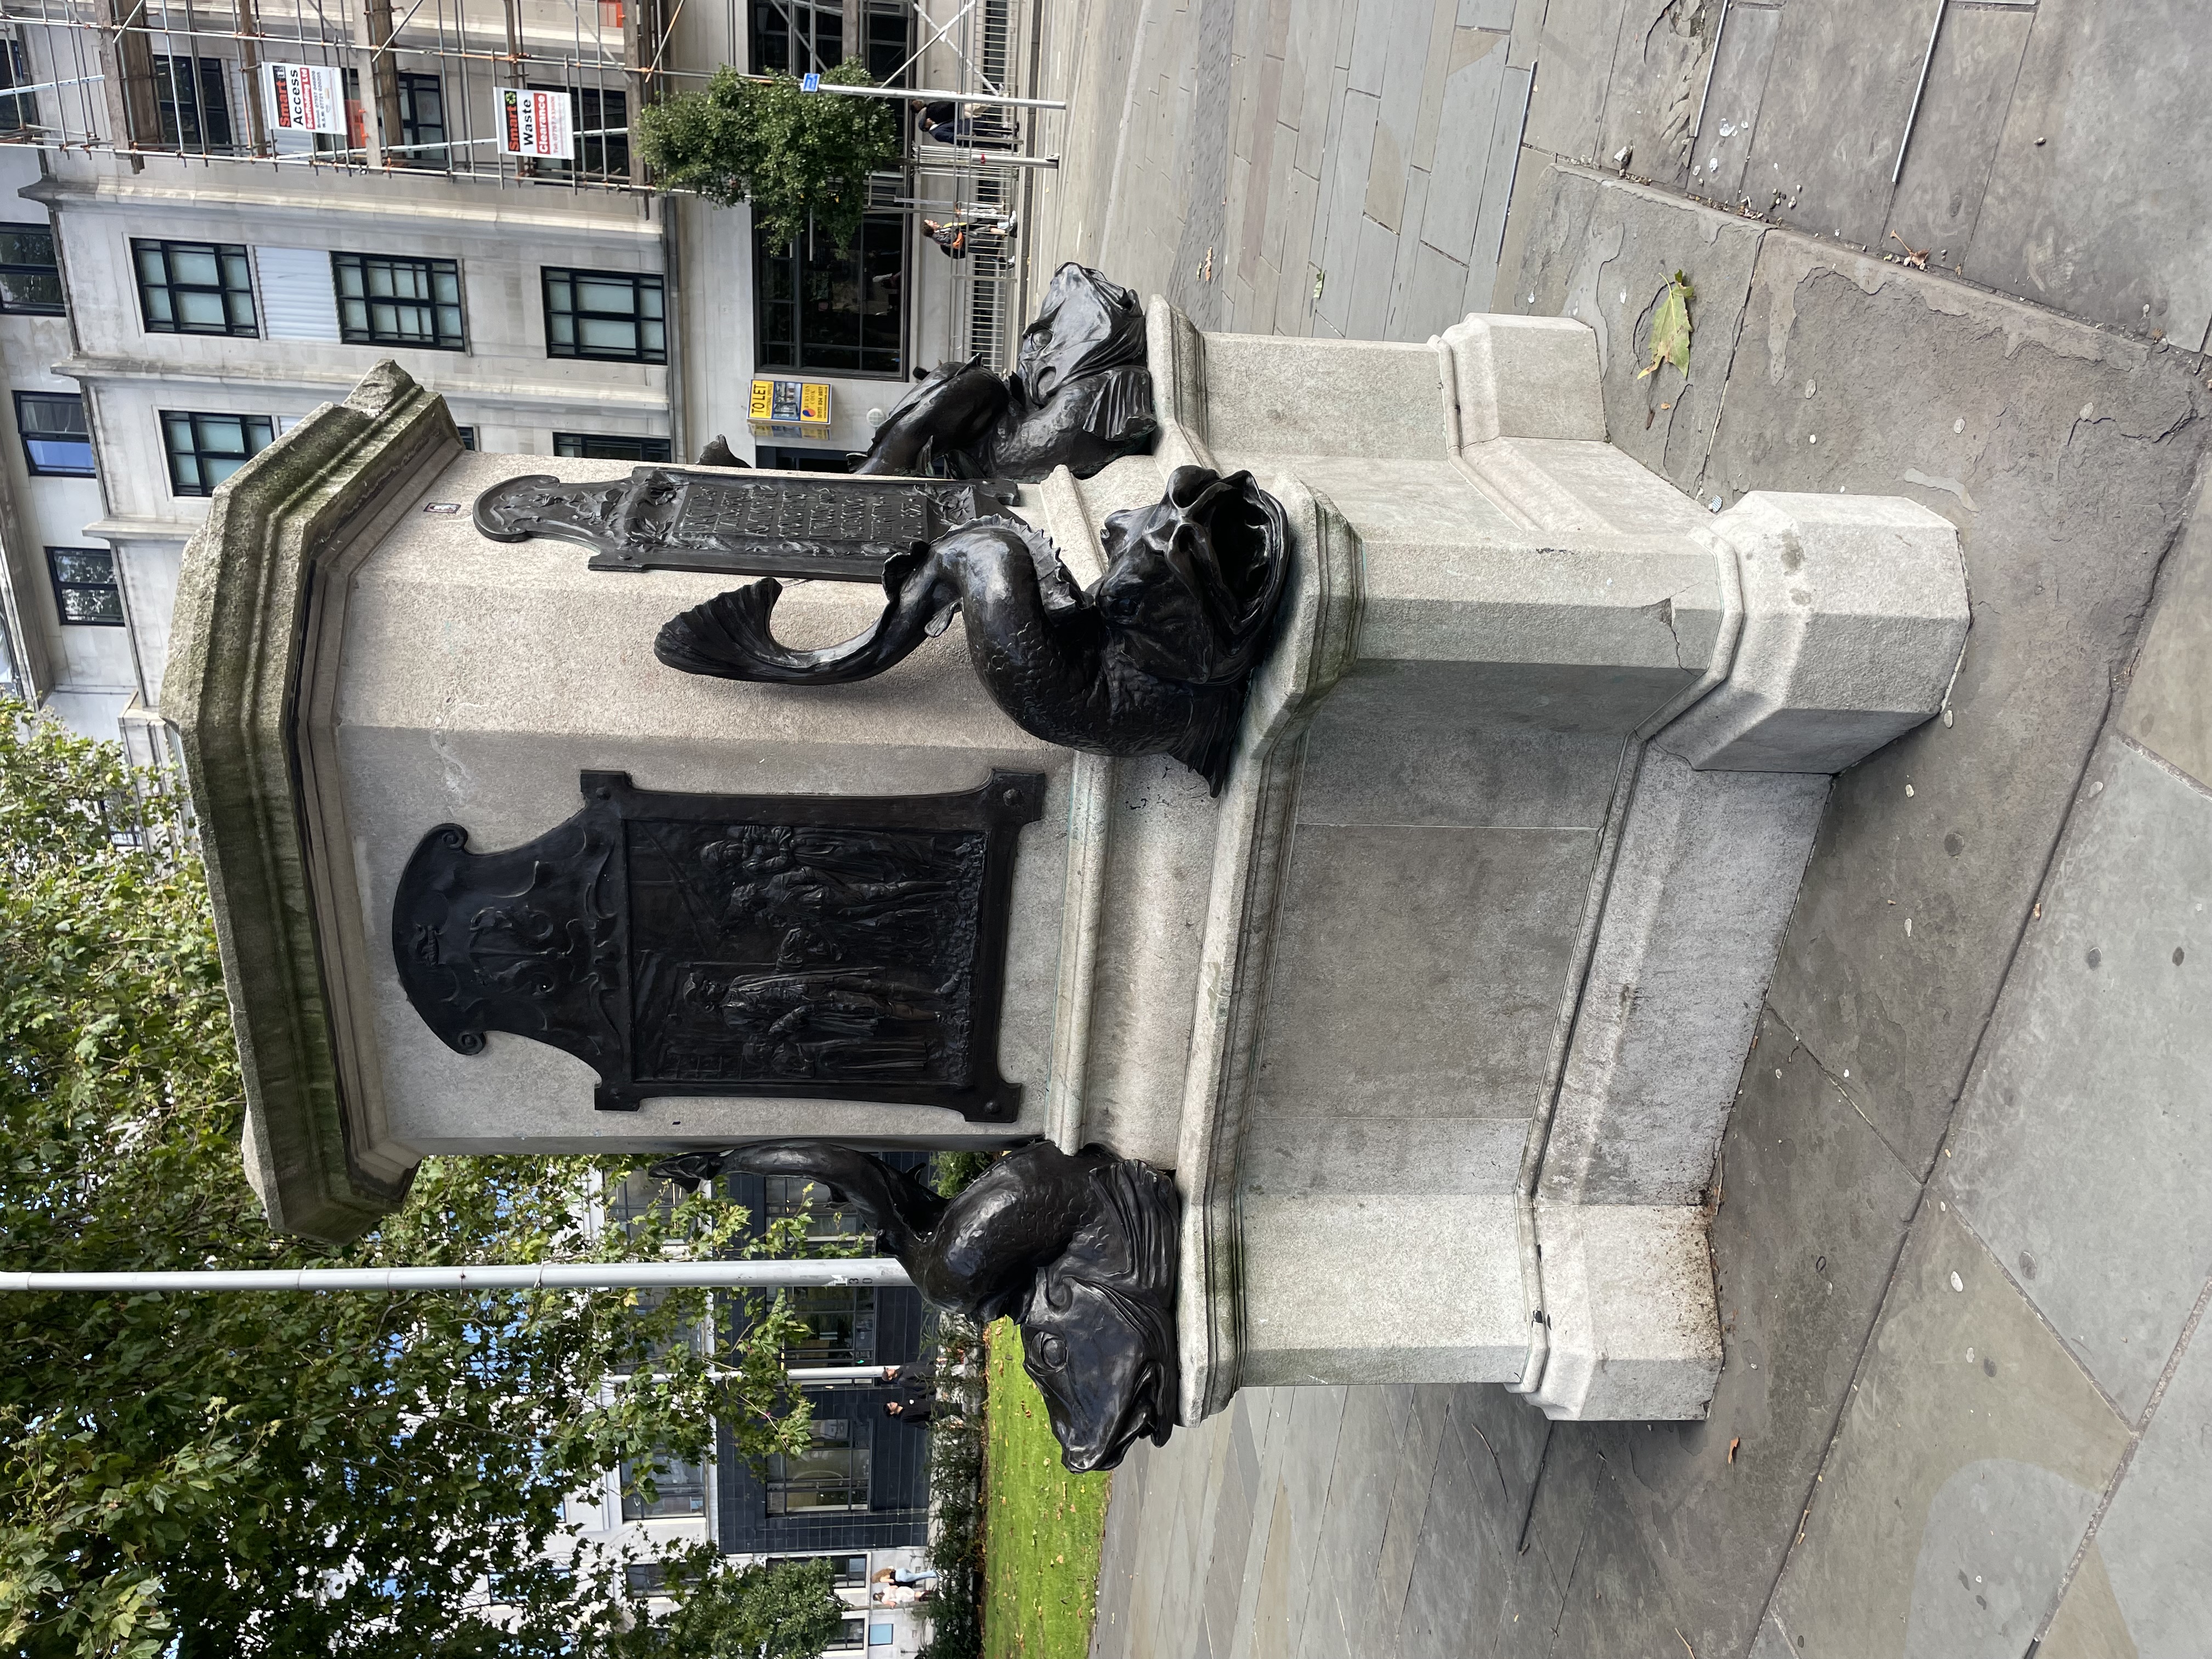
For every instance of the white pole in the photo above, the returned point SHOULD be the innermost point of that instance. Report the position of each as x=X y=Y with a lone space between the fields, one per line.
x=930 y=95
x=555 y=1275
x=841 y=1373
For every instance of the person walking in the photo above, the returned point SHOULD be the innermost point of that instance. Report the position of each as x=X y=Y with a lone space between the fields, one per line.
x=951 y=235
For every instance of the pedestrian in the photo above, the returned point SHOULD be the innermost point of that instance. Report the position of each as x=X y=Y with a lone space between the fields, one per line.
x=952 y=235
x=944 y=121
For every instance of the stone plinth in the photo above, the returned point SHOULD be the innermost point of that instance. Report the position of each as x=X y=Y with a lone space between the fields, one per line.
x=1436 y=1011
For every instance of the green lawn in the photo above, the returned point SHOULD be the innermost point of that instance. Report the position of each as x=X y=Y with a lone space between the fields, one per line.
x=1040 y=1537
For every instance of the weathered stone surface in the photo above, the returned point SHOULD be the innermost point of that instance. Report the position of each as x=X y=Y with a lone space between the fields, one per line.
x=1854 y=615
x=1603 y=251
x=2155 y=1540
x=1813 y=1210
x=2082 y=1152
x=2166 y=709
x=2089 y=1624
x=1708 y=870
x=1973 y=1448
x=2063 y=516
x=2099 y=197
x=1962 y=116
x=1857 y=56
x=301 y=514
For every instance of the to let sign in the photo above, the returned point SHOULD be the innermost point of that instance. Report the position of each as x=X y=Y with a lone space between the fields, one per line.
x=536 y=124
x=306 y=98
x=787 y=404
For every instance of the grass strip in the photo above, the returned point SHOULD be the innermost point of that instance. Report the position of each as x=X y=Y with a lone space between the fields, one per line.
x=1041 y=1527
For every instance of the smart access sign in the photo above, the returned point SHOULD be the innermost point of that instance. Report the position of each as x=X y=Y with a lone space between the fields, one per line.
x=306 y=98
x=537 y=124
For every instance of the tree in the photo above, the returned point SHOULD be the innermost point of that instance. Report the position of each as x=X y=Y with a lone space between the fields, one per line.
x=795 y=156
x=336 y=1475
x=786 y=1611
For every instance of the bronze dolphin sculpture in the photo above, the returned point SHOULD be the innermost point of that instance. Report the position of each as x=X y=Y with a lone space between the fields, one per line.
x=1154 y=659
x=1078 y=1251
x=950 y=411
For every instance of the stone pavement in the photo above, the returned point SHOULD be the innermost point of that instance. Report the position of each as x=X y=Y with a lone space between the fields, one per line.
x=1963 y=1214
x=1291 y=167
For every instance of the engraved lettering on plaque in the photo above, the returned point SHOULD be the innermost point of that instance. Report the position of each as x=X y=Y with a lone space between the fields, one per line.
x=756 y=524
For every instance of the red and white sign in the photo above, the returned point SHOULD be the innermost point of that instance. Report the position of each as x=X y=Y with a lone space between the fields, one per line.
x=306 y=98
x=536 y=124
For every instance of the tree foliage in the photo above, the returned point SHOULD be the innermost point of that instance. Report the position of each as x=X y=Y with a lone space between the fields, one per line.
x=788 y=1611
x=328 y=1474
x=791 y=154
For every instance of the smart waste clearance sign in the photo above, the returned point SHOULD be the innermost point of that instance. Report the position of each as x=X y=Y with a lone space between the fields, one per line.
x=538 y=124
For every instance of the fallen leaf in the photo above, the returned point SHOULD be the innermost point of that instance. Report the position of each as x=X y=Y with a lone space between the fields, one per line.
x=1915 y=258
x=1670 y=328
x=1733 y=1445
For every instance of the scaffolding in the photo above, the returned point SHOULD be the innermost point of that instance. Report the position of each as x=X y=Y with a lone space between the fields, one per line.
x=187 y=79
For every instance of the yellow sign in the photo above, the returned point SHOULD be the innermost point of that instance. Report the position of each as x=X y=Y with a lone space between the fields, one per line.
x=793 y=403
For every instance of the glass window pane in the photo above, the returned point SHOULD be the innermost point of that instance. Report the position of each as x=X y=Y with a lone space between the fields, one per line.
x=30 y=290
x=198 y=310
x=607 y=334
x=195 y=265
x=598 y=294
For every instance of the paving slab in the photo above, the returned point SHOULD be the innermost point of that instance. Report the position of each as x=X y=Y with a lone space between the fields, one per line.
x=1971 y=79
x=1837 y=93
x=1575 y=54
x=2089 y=1624
x=2155 y=1540
x=1659 y=58
x=2082 y=1152
x=1972 y=1455
x=2099 y=197
x=1721 y=154
x=2061 y=454
x=2166 y=709
x=1814 y=1209
x=1412 y=1478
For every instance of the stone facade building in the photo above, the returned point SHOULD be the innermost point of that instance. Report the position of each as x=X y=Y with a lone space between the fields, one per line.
x=182 y=277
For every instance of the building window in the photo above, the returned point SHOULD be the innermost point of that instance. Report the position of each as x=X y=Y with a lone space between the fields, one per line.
x=194 y=288
x=790 y=458
x=195 y=105
x=679 y=1489
x=831 y=1473
x=852 y=1635
x=828 y=1216
x=836 y=311
x=843 y=1321
x=21 y=111
x=387 y=301
x=354 y=139
x=611 y=315
x=205 y=449
x=845 y=1571
x=468 y=436
x=606 y=447
x=85 y=589
x=422 y=122
x=30 y=276
x=600 y=119
x=790 y=37
x=57 y=443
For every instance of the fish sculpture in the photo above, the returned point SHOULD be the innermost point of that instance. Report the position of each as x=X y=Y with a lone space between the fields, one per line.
x=1079 y=1250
